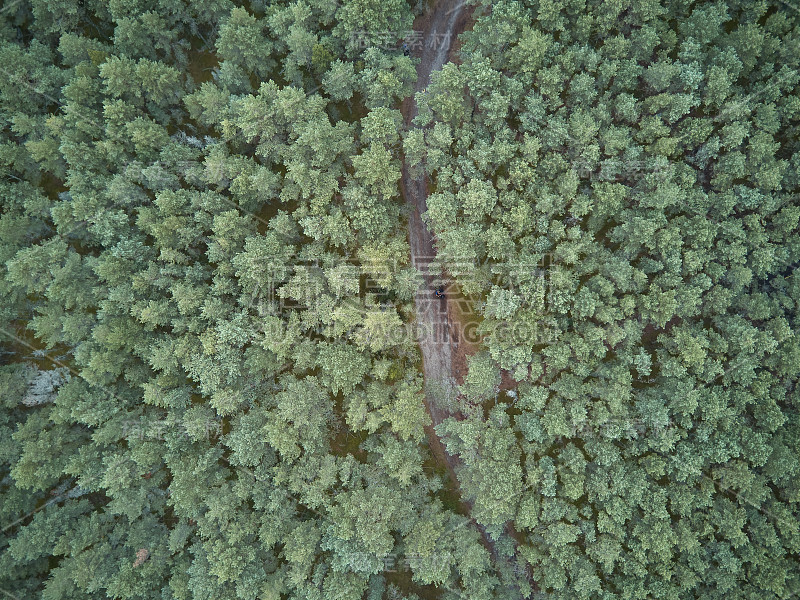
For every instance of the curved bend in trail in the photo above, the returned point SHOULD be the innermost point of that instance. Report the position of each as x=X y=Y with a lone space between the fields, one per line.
x=431 y=313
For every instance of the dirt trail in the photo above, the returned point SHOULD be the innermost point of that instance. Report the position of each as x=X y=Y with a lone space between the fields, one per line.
x=440 y=27
x=434 y=326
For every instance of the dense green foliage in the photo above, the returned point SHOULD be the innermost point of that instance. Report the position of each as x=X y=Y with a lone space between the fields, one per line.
x=208 y=387
x=200 y=208
x=625 y=175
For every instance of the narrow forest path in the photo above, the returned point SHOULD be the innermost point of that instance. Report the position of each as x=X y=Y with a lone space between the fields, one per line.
x=433 y=324
x=432 y=319
x=439 y=28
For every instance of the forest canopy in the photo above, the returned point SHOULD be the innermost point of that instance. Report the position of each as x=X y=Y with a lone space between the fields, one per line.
x=211 y=382
x=644 y=158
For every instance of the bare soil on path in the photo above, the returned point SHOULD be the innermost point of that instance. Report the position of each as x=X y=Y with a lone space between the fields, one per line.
x=431 y=313
x=439 y=337
x=438 y=31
